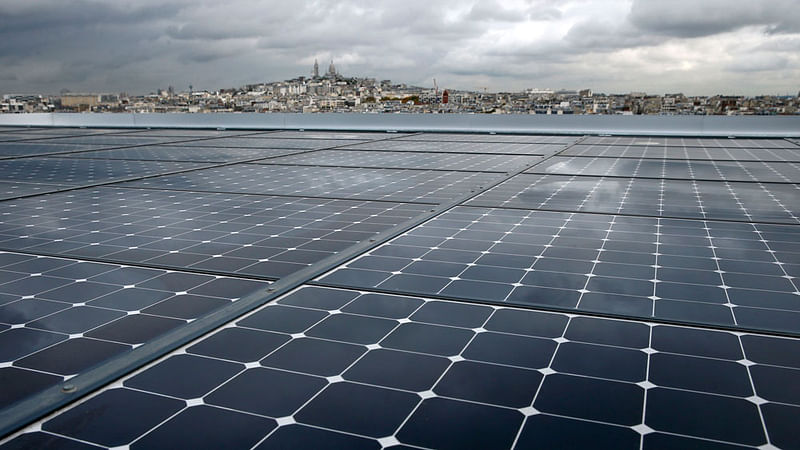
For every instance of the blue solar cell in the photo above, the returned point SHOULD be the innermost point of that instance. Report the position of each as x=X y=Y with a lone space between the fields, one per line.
x=611 y=296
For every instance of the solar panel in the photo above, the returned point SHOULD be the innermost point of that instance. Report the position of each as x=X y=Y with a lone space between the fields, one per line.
x=690 y=142
x=409 y=160
x=67 y=315
x=13 y=137
x=436 y=374
x=768 y=172
x=458 y=147
x=313 y=289
x=108 y=140
x=490 y=138
x=267 y=142
x=5 y=129
x=703 y=271
x=184 y=153
x=261 y=236
x=83 y=171
x=691 y=153
x=9 y=189
x=760 y=202
x=35 y=148
x=330 y=135
x=187 y=133
x=424 y=186
x=60 y=131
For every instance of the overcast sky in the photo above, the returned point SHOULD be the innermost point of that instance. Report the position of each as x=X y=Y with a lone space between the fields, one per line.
x=693 y=46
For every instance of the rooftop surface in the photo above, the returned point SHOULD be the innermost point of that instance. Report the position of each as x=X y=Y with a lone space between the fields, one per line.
x=191 y=288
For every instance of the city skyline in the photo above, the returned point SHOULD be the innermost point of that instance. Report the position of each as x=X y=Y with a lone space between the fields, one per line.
x=698 y=48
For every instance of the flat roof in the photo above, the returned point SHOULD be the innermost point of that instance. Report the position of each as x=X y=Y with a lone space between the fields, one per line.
x=639 y=125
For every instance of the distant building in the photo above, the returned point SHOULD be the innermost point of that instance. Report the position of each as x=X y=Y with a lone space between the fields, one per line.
x=75 y=100
x=316 y=69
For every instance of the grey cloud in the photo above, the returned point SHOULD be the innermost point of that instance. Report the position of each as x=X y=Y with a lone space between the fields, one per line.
x=692 y=18
x=492 y=10
x=783 y=44
x=598 y=35
x=197 y=31
x=47 y=15
x=758 y=63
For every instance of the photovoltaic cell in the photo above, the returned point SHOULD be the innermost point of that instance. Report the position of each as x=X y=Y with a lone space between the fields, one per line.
x=116 y=140
x=62 y=131
x=268 y=142
x=261 y=236
x=83 y=171
x=338 y=135
x=758 y=202
x=490 y=138
x=444 y=374
x=459 y=147
x=687 y=270
x=692 y=153
x=5 y=129
x=12 y=190
x=187 y=154
x=409 y=160
x=690 y=142
x=32 y=137
x=424 y=186
x=628 y=292
x=191 y=133
x=768 y=172
x=61 y=316
x=34 y=148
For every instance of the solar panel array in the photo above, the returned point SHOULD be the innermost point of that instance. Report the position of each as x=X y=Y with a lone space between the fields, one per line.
x=312 y=289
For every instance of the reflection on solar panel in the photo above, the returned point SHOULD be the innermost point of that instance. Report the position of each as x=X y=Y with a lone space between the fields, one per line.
x=36 y=149
x=176 y=153
x=459 y=147
x=261 y=236
x=409 y=160
x=267 y=142
x=760 y=202
x=32 y=137
x=773 y=172
x=317 y=289
x=692 y=153
x=425 y=186
x=511 y=139
x=9 y=189
x=83 y=171
x=691 y=142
